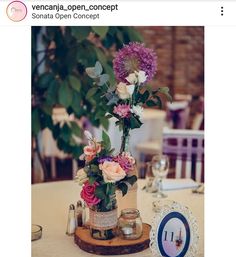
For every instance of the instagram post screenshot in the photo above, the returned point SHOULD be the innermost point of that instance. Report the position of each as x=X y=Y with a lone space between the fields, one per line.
x=117 y=128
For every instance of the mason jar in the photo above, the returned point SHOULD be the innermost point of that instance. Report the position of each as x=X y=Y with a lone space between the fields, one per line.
x=103 y=222
x=130 y=224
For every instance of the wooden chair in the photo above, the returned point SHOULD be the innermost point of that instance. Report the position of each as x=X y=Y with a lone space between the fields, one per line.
x=186 y=146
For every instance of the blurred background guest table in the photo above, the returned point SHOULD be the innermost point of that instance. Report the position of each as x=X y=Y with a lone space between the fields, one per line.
x=50 y=202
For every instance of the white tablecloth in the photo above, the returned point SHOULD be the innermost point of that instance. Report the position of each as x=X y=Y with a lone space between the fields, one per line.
x=50 y=202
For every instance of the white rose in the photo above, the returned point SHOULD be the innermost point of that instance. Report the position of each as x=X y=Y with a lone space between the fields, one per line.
x=138 y=110
x=137 y=77
x=122 y=91
x=81 y=177
x=132 y=78
x=111 y=172
x=141 y=76
x=130 y=89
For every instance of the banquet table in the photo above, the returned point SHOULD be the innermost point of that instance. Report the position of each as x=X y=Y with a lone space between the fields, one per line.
x=50 y=202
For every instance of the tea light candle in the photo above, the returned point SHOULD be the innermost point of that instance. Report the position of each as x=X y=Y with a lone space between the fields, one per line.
x=127 y=231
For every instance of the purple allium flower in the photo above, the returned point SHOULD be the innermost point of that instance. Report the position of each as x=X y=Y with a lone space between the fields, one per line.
x=134 y=57
x=105 y=158
x=123 y=110
x=125 y=161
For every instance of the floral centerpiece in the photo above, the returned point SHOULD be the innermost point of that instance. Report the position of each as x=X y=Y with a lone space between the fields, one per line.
x=102 y=175
x=134 y=66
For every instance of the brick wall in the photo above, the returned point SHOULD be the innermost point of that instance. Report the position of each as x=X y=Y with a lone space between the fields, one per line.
x=180 y=52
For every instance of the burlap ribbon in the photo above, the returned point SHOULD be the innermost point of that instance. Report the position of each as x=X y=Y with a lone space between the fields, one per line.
x=103 y=220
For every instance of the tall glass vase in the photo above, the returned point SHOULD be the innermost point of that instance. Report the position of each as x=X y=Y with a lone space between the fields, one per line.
x=125 y=141
x=130 y=199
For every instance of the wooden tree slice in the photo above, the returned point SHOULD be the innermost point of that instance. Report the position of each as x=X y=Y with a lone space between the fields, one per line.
x=114 y=246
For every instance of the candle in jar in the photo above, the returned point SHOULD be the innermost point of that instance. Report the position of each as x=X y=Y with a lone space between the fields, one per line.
x=127 y=230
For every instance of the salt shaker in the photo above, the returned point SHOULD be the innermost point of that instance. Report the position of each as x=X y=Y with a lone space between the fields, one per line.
x=71 y=222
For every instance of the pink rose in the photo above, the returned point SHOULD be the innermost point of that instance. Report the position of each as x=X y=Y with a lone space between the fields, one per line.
x=88 y=195
x=90 y=151
x=111 y=171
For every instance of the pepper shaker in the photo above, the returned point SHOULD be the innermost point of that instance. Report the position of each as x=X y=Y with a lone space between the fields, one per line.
x=79 y=214
x=71 y=222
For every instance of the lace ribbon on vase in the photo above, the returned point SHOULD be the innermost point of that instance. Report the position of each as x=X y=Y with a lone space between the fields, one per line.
x=103 y=220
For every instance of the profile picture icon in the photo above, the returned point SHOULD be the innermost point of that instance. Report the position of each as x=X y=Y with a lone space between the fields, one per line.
x=16 y=11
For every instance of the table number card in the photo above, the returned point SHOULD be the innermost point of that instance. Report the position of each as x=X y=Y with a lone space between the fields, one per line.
x=174 y=231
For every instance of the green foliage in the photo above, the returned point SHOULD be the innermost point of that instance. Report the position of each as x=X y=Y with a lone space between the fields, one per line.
x=165 y=91
x=64 y=82
x=131 y=180
x=123 y=187
x=106 y=141
x=135 y=122
x=101 y=31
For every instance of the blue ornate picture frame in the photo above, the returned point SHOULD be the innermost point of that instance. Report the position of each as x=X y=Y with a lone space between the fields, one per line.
x=174 y=231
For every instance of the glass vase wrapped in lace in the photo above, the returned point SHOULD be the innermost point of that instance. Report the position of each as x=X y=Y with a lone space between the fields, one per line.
x=102 y=175
x=103 y=220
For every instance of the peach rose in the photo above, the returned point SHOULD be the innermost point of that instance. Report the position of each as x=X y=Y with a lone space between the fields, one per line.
x=90 y=151
x=111 y=171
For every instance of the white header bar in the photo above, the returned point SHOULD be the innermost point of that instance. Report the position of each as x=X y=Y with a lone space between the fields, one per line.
x=127 y=12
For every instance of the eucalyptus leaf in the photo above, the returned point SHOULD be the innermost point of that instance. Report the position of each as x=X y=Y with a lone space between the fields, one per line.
x=98 y=68
x=113 y=100
x=104 y=78
x=91 y=72
x=111 y=89
x=109 y=96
